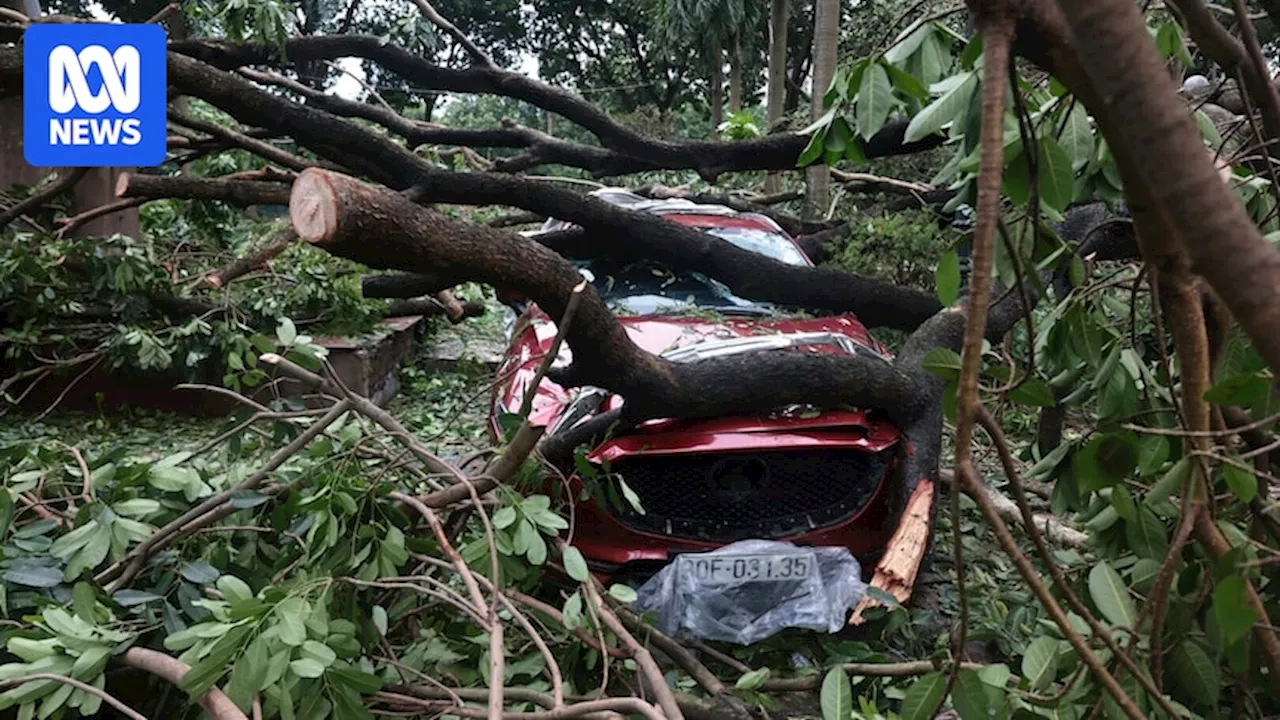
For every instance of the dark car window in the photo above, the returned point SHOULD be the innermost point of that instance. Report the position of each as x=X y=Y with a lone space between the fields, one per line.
x=648 y=287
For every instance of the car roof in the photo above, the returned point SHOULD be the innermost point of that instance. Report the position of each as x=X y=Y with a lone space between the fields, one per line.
x=623 y=197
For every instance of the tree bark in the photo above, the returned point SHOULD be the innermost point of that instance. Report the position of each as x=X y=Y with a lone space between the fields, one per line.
x=235 y=192
x=619 y=231
x=384 y=230
x=779 y=13
x=735 y=75
x=826 y=40
x=716 y=86
x=1223 y=244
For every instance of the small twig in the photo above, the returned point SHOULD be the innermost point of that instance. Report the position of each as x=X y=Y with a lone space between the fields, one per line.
x=644 y=660
x=75 y=221
x=480 y=56
x=258 y=147
x=163 y=14
x=570 y=309
x=242 y=266
x=83 y=687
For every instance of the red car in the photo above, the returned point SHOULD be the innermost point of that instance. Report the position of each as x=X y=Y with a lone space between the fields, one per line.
x=822 y=478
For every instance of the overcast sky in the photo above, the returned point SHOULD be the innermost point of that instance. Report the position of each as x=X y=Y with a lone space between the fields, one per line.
x=348 y=84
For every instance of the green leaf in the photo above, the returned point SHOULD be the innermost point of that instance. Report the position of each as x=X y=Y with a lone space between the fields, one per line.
x=837 y=695
x=1122 y=499
x=813 y=150
x=1153 y=451
x=204 y=674
x=6 y=513
x=361 y=682
x=200 y=573
x=1077 y=137
x=575 y=564
x=129 y=598
x=1232 y=610
x=503 y=518
x=319 y=652
x=622 y=593
x=83 y=599
x=1106 y=460
x=37 y=577
x=969 y=697
x=1146 y=534
x=293 y=614
x=1034 y=392
x=1118 y=396
x=1242 y=389
x=537 y=549
x=996 y=676
x=1056 y=175
x=1196 y=673
x=1169 y=483
x=1111 y=596
x=875 y=100
x=924 y=697
x=943 y=362
x=753 y=680
x=306 y=668
x=233 y=589
x=286 y=332
x=572 y=611
x=1242 y=483
x=380 y=619
x=91 y=663
x=906 y=82
x=1040 y=662
x=943 y=110
x=947 y=278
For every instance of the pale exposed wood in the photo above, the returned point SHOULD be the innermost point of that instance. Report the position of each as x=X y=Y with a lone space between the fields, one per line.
x=897 y=569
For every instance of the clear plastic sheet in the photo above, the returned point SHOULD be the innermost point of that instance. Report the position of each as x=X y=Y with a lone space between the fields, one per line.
x=752 y=589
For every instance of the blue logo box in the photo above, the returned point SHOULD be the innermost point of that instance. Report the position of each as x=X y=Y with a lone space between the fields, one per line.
x=94 y=95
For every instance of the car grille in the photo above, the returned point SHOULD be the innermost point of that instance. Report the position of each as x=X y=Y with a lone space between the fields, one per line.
x=736 y=496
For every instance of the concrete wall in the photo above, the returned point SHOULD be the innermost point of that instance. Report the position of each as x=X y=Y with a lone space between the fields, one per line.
x=95 y=189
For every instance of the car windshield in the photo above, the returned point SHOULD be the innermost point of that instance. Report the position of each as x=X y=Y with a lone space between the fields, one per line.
x=651 y=288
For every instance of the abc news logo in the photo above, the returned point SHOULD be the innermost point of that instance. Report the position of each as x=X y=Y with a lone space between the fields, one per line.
x=94 y=95
x=69 y=89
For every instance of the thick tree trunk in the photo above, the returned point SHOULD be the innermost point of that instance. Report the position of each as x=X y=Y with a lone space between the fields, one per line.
x=716 y=83
x=735 y=76
x=776 y=94
x=1224 y=245
x=382 y=229
x=826 y=39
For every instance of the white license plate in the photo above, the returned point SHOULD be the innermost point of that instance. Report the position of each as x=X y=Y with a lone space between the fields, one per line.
x=737 y=569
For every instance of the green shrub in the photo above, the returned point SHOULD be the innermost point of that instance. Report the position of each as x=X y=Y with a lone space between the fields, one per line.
x=901 y=247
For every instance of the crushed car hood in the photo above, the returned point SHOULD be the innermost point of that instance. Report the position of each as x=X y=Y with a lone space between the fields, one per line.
x=682 y=339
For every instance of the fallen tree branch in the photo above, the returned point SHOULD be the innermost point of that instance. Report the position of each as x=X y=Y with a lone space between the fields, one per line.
x=878 y=303
x=214 y=701
x=428 y=307
x=630 y=151
x=261 y=148
x=382 y=230
x=1054 y=529
x=243 y=266
x=67 y=177
x=235 y=192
